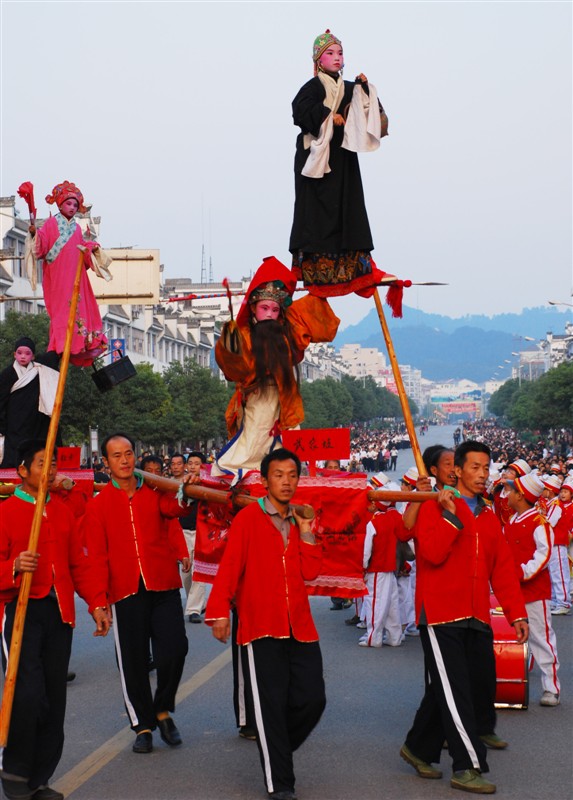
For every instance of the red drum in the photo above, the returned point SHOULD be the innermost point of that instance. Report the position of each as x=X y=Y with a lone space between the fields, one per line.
x=511 y=663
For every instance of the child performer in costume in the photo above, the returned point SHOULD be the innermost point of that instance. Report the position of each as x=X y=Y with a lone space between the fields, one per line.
x=260 y=353
x=57 y=243
x=27 y=395
x=330 y=238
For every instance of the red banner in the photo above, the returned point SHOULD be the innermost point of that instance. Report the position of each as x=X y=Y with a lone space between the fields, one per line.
x=69 y=457
x=340 y=526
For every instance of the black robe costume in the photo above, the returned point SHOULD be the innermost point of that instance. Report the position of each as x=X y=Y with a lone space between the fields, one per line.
x=20 y=418
x=330 y=238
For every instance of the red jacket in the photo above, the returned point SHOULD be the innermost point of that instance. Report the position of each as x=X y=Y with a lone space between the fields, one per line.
x=265 y=580
x=380 y=548
x=128 y=538
x=564 y=527
x=62 y=562
x=530 y=539
x=457 y=557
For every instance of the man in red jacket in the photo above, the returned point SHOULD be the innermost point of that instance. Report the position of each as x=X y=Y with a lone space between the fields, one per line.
x=59 y=568
x=270 y=553
x=134 y=554
x=460 y=550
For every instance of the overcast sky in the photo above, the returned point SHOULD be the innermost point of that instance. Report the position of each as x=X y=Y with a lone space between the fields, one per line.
x=174 y=118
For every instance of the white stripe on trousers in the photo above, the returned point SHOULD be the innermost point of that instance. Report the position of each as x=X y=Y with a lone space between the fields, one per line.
x=259 y=719
x=130 y=709
x=450 y=698
x=241 y=689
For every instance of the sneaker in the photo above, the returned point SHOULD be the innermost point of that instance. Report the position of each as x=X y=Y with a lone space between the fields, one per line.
x=561 y=610
x=549 y=699
x=470 y=780
x=423 y=769
x=17 y=790
x=494 y=741
x=361 y=625
x=246 y=732
x=353 y=620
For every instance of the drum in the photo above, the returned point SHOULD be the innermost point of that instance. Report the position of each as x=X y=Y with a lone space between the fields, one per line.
x=511 y=664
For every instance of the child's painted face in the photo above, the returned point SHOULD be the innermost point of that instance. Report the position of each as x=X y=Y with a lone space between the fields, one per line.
x=69 y=207
x=267 y=309
x=331 y=59
x=23 y=355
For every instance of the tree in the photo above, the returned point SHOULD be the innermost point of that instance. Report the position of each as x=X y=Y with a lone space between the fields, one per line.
x=35 y=326
x=199 y=401
x=501 y=400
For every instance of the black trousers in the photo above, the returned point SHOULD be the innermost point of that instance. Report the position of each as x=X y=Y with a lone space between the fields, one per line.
x=458 y=701
x=36 y=736
x=145 y=617
x=288 y=698
x=241 y=683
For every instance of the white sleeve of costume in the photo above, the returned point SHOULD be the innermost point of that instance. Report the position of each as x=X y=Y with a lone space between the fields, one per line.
x=543 y=538
x=363 y=128
x=316 y=165
x=368 y=542
x=553 y=514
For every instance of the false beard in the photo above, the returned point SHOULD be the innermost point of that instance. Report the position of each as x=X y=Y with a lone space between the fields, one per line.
x=274 y=355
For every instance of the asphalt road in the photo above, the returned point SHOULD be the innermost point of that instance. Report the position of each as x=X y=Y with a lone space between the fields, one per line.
x=353 y=753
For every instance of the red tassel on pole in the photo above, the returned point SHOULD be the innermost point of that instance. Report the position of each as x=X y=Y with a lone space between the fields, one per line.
x=394 y=296
x=26 y=192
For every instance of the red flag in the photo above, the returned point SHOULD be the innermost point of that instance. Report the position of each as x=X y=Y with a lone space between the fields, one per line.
x=26 y=192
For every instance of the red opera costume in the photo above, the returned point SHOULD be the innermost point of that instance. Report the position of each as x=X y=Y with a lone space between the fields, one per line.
x=255 y=418
x=56 y=242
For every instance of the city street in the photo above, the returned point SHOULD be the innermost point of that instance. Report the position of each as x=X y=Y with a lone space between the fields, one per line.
x=353 y=753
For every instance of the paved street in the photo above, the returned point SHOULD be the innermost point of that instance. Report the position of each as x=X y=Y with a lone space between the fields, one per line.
x=353 y=753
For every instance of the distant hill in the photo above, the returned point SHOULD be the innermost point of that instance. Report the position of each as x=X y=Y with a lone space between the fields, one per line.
x=465 y=347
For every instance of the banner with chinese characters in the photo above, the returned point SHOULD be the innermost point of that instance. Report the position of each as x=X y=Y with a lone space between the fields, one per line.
x=318 y=444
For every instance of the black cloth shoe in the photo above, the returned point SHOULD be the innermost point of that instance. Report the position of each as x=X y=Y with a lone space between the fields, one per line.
x=17 y=790
x=71 y=676
x=168 y=732
x=196 y=618
x=143 y=742
x=248 y=733
x=285 y=794
x=47 y=794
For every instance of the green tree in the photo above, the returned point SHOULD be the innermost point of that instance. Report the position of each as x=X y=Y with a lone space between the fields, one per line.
x=15 y=325
x=199 y=400
x=501 y=400
x=327 y=404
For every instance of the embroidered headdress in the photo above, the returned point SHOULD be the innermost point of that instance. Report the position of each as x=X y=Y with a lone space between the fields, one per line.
x=64 y=191
x=322 y=43
x=274 y=290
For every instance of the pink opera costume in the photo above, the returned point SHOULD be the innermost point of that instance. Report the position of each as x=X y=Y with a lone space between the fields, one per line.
x=56 y=242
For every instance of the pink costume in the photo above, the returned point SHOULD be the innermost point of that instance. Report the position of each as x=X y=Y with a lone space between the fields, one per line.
x=56 y=242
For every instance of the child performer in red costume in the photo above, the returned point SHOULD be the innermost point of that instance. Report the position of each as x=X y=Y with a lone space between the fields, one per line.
x=260 y=352
x=56 y=242
x=330 y=238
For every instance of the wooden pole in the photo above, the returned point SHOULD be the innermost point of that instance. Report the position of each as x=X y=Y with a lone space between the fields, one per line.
x=402 y=396
x=24 y=593
x=198 y=492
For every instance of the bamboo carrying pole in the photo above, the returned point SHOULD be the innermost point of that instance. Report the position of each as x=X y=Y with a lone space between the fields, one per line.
x=400 y=386
x=24 y=593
